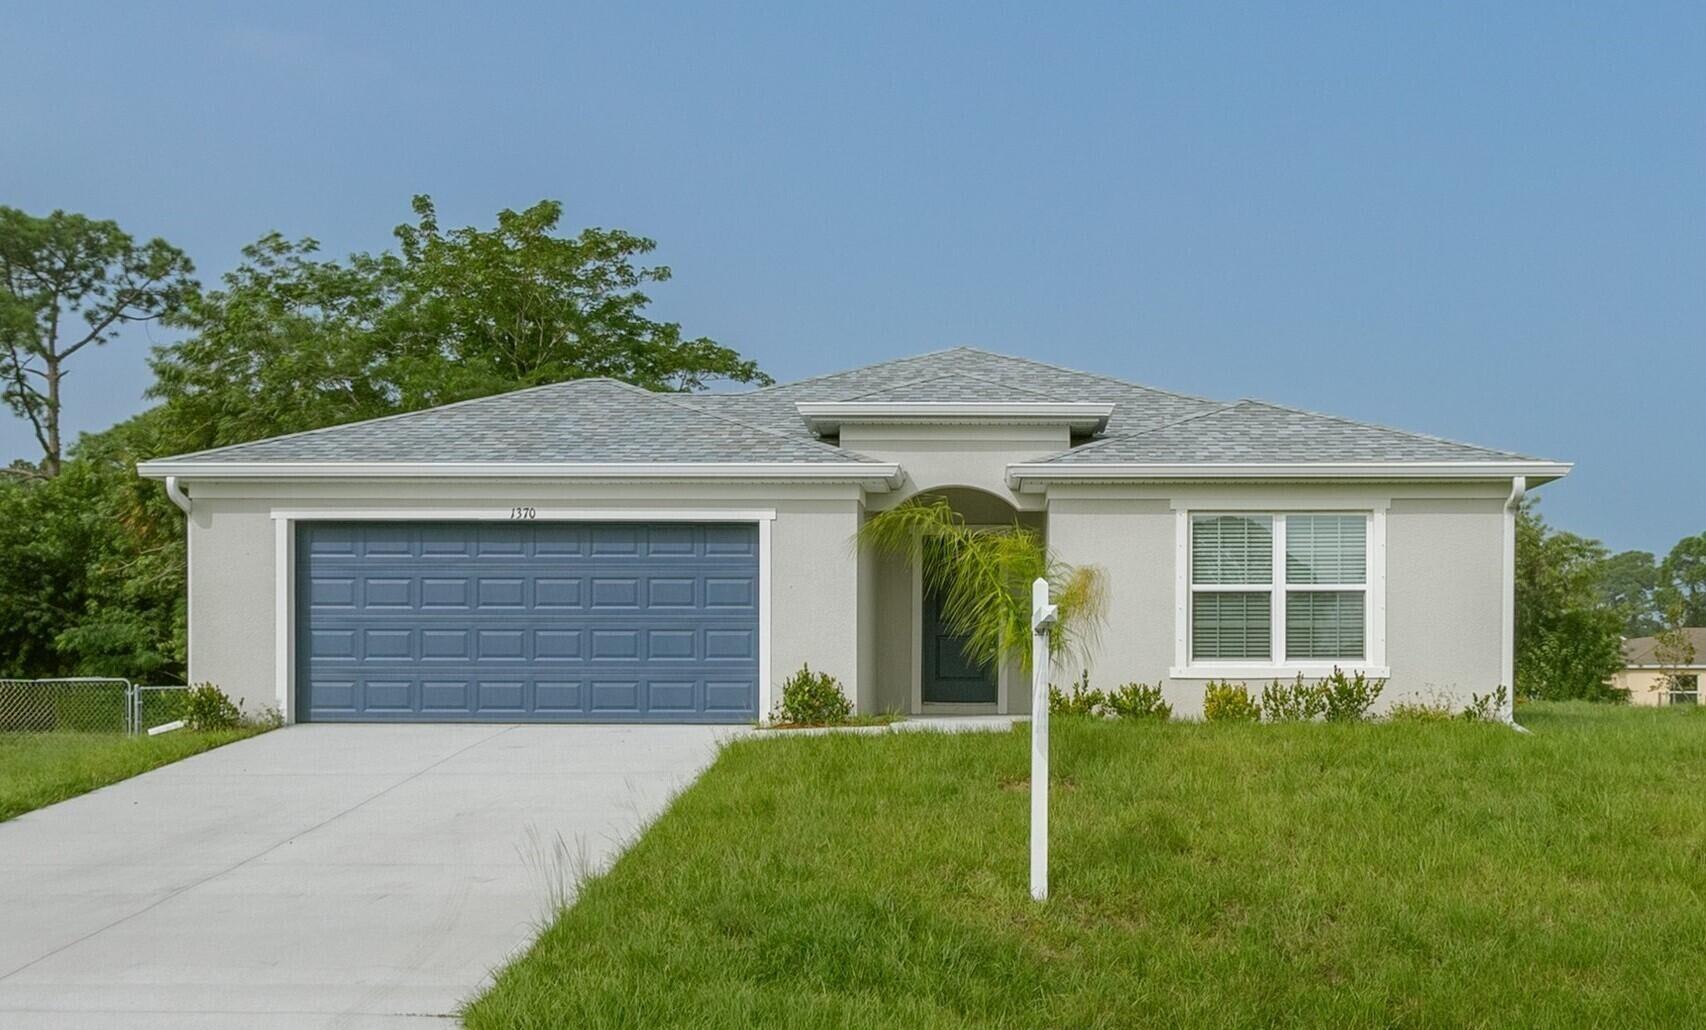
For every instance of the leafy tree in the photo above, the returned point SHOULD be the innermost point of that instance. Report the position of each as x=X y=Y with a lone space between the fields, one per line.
x=68 y=282
x=92 y=566
x=1567 y=642
x=295 y=342
x=1683 y=575
x=1627 y=584
x=984 y=578
x=1673 y=650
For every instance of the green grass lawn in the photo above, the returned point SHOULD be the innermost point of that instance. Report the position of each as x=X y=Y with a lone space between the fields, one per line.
x=38 y=769
x=1442 y=874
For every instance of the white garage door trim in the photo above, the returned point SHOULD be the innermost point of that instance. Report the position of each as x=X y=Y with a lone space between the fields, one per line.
x=284 y=562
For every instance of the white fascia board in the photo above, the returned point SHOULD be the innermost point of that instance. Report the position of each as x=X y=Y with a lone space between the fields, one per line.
x=830 y=416
x=1032 y=477
x=876 y=475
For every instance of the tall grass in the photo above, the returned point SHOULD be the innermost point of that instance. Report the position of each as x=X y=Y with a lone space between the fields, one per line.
x=1443 y=874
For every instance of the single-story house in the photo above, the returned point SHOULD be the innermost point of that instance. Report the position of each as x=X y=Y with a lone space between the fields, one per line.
x=590 y=551
x=1643 y=675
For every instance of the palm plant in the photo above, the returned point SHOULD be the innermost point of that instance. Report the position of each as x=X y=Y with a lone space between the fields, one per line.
x=983 y=579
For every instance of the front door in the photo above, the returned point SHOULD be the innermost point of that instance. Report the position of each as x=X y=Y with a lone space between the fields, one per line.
x=949 y=677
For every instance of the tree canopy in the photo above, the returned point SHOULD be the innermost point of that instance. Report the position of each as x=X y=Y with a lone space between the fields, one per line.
x=1568 y=641
x=292 y=341
x=68 y=282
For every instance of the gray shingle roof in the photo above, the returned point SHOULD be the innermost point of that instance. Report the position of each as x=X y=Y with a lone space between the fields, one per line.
x=1255 y=432
x=584 y=420
x=955 y=387
x=1641 y=650
x=906 y=379
x=596 y=421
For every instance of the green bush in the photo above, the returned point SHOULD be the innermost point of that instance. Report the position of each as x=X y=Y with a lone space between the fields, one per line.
x=1350 y=697
x=1298 y=701
x=1488 y=707
x=206 y=707
x=1082 y=700
x=812 y=699
x=1137 y=701
x=1228 y=702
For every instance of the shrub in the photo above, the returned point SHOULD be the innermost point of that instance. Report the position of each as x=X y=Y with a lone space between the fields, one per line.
x=812 y=699
x=1137 y=701
x=1228 y=702
x=1350 y=697
x=1293 y=702
x=1488 y=707
x=206 y=707
x=1082 y=700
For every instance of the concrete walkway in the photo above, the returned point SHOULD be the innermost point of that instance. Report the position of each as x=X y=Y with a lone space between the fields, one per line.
x=318 y=876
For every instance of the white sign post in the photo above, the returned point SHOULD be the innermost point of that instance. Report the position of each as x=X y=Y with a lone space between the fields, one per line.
x=1042 y=620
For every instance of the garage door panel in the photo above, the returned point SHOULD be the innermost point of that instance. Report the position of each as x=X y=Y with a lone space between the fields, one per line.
x=501 y=592
x=541 y=621
x=557 y=696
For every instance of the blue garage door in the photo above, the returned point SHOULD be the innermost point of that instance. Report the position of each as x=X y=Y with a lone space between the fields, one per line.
x=529 y=621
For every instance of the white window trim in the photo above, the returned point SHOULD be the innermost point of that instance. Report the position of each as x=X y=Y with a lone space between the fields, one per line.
x=284 y=568
x=1278 y=666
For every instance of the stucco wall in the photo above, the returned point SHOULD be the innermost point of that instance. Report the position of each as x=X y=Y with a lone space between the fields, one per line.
x=1648 y=686
x=934 y=456
x=815 y=614
x=1444 y=558
x=1443 y=572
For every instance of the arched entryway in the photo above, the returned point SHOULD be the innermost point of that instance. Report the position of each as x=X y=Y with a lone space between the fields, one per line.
x=920 y=667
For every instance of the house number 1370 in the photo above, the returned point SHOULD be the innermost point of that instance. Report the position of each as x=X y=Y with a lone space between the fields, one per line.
x=523 y=513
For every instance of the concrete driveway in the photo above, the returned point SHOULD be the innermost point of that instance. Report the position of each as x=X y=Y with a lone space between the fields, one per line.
x=318 y=876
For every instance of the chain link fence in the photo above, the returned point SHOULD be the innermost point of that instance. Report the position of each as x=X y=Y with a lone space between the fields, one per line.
x=155 y=705
x=87 y=704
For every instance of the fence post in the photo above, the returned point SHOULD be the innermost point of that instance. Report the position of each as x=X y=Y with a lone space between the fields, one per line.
x=1042 y=621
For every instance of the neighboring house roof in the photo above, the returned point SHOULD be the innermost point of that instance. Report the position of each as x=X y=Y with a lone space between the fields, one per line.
x=1638 y=652
x=597 y=424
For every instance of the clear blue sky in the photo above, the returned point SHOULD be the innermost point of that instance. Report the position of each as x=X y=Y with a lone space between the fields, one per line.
x=1486 y=221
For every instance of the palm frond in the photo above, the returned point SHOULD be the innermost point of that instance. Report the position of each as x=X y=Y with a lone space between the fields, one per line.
x=983 y=579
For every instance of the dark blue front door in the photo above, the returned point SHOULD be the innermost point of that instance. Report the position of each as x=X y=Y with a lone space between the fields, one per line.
x=527 y=622
x=948 y=676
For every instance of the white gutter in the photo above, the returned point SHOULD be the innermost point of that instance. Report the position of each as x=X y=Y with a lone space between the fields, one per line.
x=179 y=498
x=876 y=475
x=1507 y=612
x=1032 y=477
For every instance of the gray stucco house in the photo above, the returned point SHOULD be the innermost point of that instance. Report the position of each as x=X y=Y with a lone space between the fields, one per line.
x=589 y=551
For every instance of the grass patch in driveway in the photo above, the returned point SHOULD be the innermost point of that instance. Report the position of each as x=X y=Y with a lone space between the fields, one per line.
x=1442 y=874
x=38 y=769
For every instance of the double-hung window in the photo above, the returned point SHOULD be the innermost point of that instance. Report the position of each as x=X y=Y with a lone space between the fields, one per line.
x=1685 y=689
x=1279 y=589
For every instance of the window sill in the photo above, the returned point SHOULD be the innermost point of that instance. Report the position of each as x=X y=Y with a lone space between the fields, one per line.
x=1288 y=671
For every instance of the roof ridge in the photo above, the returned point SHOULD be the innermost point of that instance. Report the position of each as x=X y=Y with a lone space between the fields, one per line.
x=1127 y=383
x=391 y=417
x=948 y=375
x=844 y=371
x=670 y=398
x=1346 y=420
x=1093 y=375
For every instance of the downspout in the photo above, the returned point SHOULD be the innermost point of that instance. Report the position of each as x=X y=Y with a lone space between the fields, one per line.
x=1507 y=615
x=179 y=498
